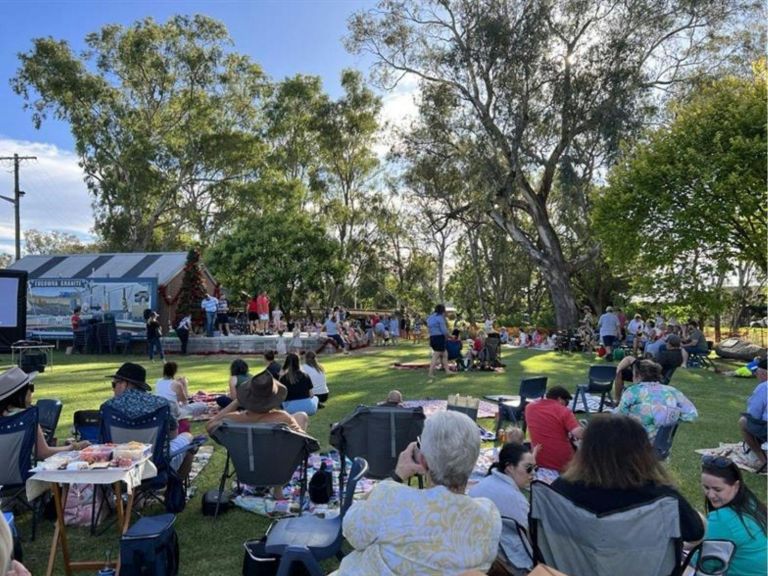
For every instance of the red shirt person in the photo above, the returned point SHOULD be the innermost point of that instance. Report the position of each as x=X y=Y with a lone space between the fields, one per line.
x=262 y=309
x=551 y=425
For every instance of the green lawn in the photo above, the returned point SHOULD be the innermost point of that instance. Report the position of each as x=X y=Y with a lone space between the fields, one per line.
x=360 y=378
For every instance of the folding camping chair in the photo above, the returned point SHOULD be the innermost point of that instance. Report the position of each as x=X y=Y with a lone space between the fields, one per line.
x=264 y=455
x=49 y=412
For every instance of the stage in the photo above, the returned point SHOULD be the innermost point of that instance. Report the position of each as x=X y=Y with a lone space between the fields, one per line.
x=240 y=344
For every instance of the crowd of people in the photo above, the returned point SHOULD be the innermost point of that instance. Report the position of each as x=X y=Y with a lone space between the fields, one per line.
x=606 y=465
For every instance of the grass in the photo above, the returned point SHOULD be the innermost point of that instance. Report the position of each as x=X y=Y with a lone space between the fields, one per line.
x=360 y=378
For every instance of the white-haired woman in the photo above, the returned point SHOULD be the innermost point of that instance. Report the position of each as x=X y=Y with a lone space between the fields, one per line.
x=400 y=530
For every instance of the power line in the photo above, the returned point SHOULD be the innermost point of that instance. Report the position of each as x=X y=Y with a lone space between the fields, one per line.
x=17 y=194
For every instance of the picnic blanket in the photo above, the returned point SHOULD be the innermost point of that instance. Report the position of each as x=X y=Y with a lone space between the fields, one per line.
x=208 y=398
x=425 y=366
x=735 y=452
x=485 y=409
x=259 y=500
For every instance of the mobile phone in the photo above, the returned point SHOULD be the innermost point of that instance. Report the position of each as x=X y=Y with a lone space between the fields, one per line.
x=416 y=452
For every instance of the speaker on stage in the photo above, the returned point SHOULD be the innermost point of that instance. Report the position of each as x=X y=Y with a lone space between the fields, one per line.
x=13 y=307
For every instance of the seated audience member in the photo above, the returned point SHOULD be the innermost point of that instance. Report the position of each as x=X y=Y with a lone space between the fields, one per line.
x=238 y=374
x=695 y=343
x=670 y=358
x=654 y=346
x=552 y=426
x=300 y=397
x=316 y=373
x=401 y=531
x=10 y=567
x=652 y=403
x=132 y=399
x=261 y=399
x=176 y=392
x=504 y=485
x=616 y=467
x=273 y=366
x=394 y=398
x=635 y=332
x=16 y=389
x=735 y=514
x=753 y=425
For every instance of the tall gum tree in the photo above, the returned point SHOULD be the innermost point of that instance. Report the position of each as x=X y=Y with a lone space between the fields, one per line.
x=542 y=83
x=162 y=115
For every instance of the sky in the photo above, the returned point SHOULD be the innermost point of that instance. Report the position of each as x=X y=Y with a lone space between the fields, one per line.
x=285 y=37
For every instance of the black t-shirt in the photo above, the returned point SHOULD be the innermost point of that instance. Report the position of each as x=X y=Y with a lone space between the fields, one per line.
x=670 y=359
x=153 y=329
x=274 y=369
x=300 y=389
x=605 y=500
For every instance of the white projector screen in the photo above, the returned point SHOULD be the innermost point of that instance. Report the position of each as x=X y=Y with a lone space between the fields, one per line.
x=9 y=305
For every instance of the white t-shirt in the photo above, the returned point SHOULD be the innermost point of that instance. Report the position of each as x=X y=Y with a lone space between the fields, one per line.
x=164 y=389
x=319 y=385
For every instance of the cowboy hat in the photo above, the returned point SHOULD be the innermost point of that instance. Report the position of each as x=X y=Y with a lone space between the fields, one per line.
x=13 y=380
x=262 y=394
x=134 y=374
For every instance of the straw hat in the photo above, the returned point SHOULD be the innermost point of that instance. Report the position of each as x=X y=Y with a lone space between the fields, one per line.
x=13 y=380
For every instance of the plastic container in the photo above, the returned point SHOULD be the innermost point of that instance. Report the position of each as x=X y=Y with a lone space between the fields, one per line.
x=97 y=453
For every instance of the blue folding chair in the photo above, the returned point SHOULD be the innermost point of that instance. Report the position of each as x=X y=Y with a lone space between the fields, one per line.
x=310 y=539
x=151 y=429
x=18 y=443
x=662 y=443
x=49 y=412
x=87 y=425
x=600 y=381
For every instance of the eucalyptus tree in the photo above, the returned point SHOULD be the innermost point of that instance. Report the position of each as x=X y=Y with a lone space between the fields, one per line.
x=163 y=119
x=543 y=86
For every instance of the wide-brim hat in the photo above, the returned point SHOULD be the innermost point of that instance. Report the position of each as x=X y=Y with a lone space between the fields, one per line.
x=262 y=394
x=13 y=380
x=133 y=373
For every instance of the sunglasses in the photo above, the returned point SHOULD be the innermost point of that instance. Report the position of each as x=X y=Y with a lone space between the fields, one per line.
x=115 y=383
x=716 y=461
x=531 y=468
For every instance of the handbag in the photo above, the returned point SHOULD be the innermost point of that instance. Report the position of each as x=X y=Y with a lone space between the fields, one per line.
x=321 y=486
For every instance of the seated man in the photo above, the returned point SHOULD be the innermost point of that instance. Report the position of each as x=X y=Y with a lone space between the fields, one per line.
x=453 y=345
x=400 y=531
x=133 y=400
x=696 y=343
x=551 y=426
x=652 y=402
x=753 y=422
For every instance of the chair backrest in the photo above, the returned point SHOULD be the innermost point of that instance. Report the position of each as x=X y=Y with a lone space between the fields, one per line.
x=531 y=388
x=493 y=341
x=453 y=347
x=264 y=454
x=714 y=557
x=662 y=443
x=49 y=412
x=601 y=375
x=151 y=428
x=378 y=434
x=18 y=435
x=359 y=469
x=87 y=425
x=641 y=540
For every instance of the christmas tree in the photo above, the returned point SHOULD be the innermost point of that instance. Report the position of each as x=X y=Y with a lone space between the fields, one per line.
x=192 y=290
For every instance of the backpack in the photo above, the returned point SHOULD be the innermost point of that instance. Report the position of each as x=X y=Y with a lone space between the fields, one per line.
x=321 y=486
x=150 y=547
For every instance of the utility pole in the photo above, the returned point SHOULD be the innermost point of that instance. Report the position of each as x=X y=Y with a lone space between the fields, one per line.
x=17 y=194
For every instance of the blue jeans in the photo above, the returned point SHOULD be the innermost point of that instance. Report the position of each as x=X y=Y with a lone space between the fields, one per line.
x=308 y=405
x=210 y=323
x=154 y=345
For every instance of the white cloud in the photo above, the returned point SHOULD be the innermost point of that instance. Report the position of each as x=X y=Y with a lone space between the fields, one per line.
x=399 y=109
x=56 y=196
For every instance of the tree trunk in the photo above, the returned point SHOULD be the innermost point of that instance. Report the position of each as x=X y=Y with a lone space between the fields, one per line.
x=559 y=284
